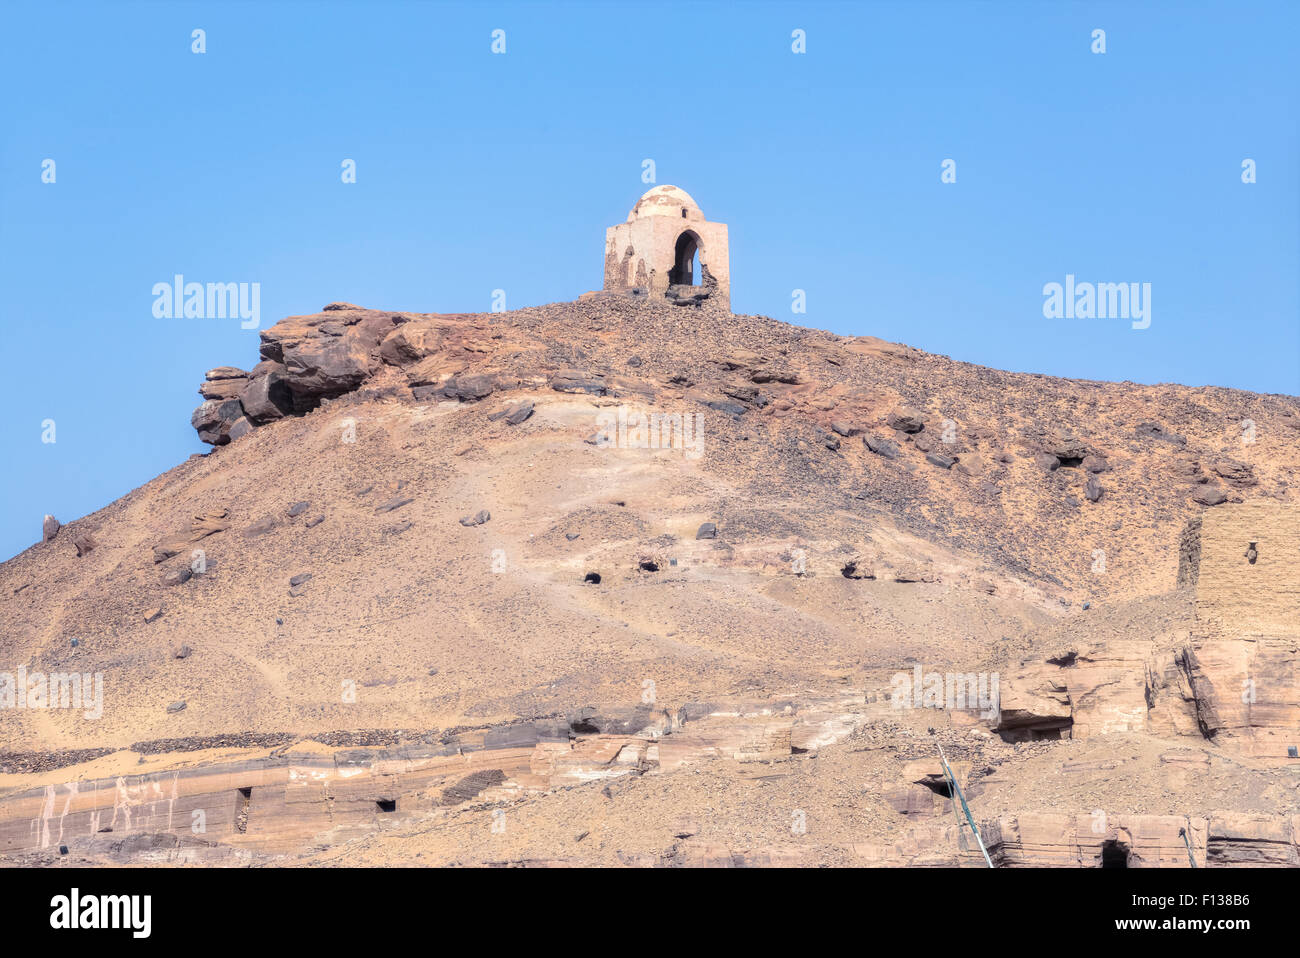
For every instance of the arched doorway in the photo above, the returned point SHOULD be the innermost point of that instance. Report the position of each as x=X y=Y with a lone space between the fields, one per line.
x=684 y=259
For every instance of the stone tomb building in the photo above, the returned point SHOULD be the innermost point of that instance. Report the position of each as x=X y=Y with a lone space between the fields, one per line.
x=667 y=248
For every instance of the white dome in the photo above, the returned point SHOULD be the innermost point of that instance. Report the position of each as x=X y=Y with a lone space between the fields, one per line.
x=664 y=201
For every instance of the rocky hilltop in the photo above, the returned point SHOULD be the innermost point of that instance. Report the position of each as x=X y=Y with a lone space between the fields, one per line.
x=636 y=582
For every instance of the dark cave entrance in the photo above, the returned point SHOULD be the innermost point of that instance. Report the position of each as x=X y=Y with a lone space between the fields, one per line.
x=1113 y=855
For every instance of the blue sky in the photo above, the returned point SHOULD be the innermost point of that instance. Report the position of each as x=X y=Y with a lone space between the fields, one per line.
x=479 y=171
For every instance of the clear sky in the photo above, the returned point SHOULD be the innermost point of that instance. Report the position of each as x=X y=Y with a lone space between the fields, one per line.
x=478 y=171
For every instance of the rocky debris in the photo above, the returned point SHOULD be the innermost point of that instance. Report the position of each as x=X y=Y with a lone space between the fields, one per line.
x=1237 y=473
x=298 y=508
x=520 y=413
x=267 y=397
x=707 y=530
x=829 y=440
x=299 y=579
x=1094 y=463
x=857 y=568
x=746 y=394
x=841 y=428
x=881 y=447
x=577 y=381
x=394 y=503
x=906 y=419
x=477 y=519
x=1151 y=430
x=204 y=524
x=1189 y=470
x=313 y=522
x=259 y=528
x=176 y=707
x=154 y=614
x=465 y=388
x=184 y=652
x=734 y=410
x=50 y=528
x=943 y=462
x=84 y=543
x=221 y=389
x=471 y=786
x=1092 y=489
x=1210 y=496
x=1068 y=450
x=571 y=536
x=216 y=418
x=178 y=576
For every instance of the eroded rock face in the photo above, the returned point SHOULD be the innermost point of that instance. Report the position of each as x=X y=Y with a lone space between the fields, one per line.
x=305 y=359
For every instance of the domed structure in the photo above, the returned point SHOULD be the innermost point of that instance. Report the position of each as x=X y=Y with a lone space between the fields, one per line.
x=657 y=248
x=666 y=201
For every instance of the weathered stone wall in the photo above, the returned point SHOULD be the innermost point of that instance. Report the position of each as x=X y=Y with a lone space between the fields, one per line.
x=1240 y=598
x=642 y=250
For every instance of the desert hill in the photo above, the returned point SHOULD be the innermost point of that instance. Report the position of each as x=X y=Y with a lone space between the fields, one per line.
x=442 y=532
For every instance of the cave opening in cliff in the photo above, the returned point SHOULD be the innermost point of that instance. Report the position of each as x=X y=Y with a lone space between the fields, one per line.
x=1114 y=855
x=244 y=798
x=941 y=788
x=386 y=805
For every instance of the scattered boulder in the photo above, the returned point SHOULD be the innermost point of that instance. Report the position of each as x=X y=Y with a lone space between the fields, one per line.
x=943 y=462
x=1094 y=463
x=1151 y=430
x=707 y=530
x=1068 y=450
x=520 y=413
x=176 y=707
x=50 y=528
x=259 y=528
x=881 y=447
x=1045 y=460
x=1237 y=473
x=215 y=418
x=154 y=614
x=1210 y=496
x=577 y=381
x=84 y=543
x=299 y=579
x=178 y=576
x=312 y=523
x=298 y=508
x=184 y=652
x=1092 y=489
x=394 y=503
x=841 y=428
x=477 y=519
x=906 y=419
x=828 y=440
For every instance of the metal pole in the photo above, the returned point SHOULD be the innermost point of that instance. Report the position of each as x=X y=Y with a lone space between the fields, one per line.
x=956 y=789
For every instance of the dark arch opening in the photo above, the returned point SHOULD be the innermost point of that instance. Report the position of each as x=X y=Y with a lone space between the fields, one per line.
x=1114 y=855
x=684 y=257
